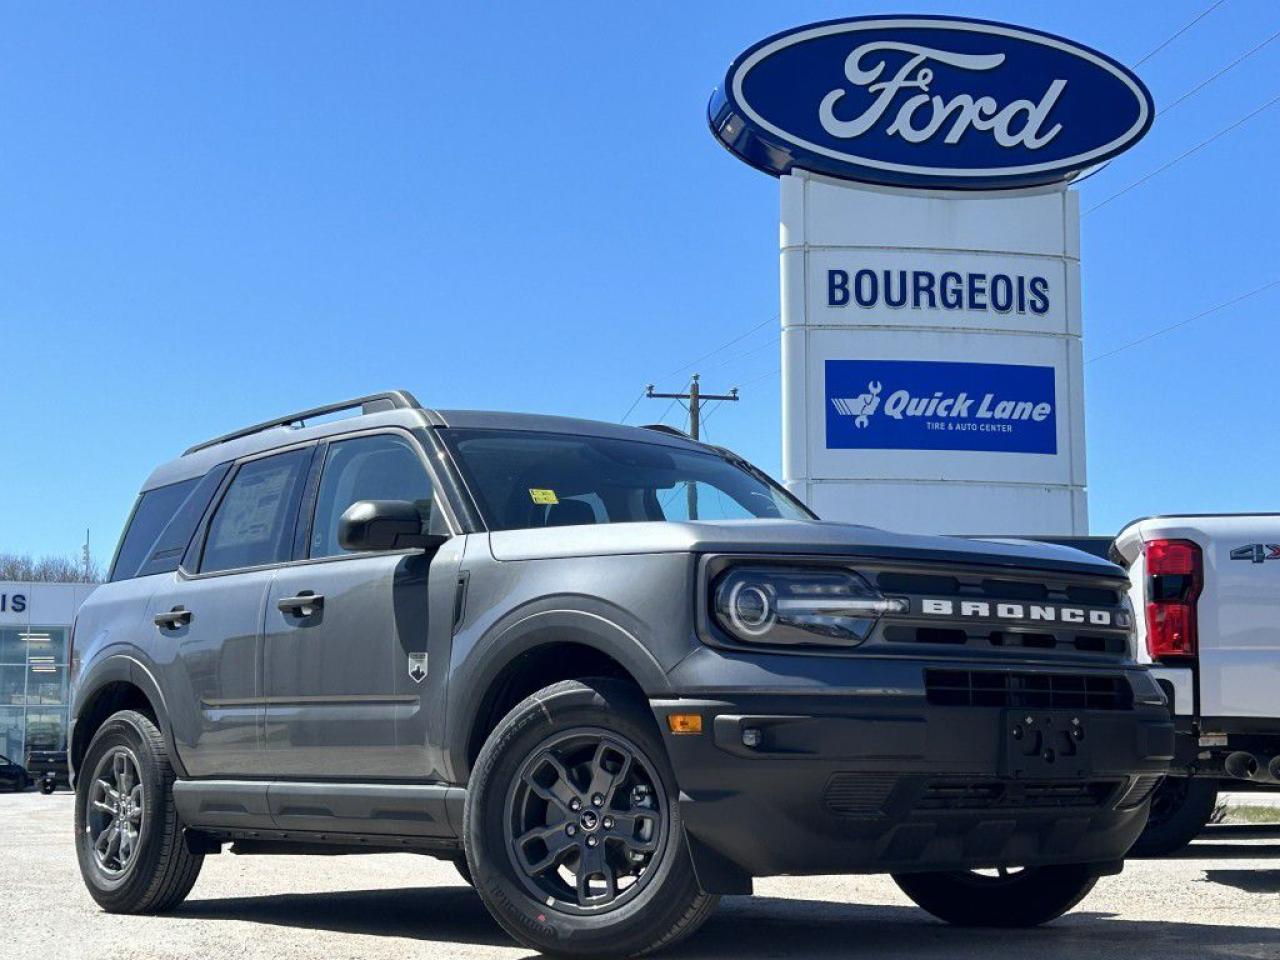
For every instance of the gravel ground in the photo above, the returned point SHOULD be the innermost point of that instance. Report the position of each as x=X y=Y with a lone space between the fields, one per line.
x=1220 y=899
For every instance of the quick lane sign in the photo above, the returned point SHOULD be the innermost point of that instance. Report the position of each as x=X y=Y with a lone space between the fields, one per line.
x=934 y=405
x=929 y=102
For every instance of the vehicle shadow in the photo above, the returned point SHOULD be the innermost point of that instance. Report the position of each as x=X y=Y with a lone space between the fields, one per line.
x=767 y=927
x=1250 y=881
x=761 y=927
x=452 y=914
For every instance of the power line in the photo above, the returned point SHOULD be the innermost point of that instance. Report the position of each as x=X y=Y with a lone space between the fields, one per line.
x=1178 y=159
x=1198 y=17
x=723 y=346
x=631 y=409
x=772 y=342
x=1183 y=323
x=1230 y=66
x=763 y=376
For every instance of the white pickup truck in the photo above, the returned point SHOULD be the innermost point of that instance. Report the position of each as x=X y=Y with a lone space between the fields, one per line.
x=1206 y=590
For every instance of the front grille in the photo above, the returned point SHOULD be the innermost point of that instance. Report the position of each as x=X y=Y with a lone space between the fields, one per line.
x=1034 y=632
x=1027 y=691
x=1008 y=794
x=988 y=588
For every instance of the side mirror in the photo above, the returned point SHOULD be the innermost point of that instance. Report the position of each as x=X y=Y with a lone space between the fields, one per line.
x=384 y=525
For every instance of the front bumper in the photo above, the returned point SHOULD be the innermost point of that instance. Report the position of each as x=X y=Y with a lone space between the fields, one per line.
x=876 y=778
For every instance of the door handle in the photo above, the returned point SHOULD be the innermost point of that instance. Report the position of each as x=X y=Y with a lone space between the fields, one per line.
x=179 y=616
x=303 y=605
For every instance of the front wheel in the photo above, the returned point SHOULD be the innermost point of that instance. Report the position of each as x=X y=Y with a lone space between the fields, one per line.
x=572 y=828
x=1007 y=897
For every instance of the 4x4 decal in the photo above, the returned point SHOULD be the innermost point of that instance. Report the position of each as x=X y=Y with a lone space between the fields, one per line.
x=1257 y=552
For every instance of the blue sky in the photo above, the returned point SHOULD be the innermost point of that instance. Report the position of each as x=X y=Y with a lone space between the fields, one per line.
x=210 y=214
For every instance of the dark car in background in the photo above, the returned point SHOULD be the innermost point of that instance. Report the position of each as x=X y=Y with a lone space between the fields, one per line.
x=48 y=768
x=13 y=776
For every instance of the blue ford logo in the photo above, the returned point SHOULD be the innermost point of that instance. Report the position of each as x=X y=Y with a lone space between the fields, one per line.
x=928 y=102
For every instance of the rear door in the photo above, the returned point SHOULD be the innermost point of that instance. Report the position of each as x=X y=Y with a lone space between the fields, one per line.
x=346 y=634
x=208 y=616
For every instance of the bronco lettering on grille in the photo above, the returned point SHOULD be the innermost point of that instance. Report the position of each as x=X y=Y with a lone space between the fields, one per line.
x=1030 y=612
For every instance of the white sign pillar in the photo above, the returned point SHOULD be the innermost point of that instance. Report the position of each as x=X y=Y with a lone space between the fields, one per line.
x=931 y=357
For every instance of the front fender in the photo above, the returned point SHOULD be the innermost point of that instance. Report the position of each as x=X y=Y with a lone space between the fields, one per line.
x=523 y=631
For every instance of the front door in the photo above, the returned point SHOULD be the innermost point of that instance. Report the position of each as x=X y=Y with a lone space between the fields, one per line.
x=345 y=638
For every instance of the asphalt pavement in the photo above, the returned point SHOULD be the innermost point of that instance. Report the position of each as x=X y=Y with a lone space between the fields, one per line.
x=1221 y=898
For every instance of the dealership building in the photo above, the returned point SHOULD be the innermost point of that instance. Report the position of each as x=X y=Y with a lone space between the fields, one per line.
x=35 y=653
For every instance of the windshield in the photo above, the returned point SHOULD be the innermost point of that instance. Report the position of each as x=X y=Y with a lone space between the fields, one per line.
x=522 y=479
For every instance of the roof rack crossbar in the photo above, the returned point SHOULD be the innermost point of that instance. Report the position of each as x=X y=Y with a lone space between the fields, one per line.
x=374 y=403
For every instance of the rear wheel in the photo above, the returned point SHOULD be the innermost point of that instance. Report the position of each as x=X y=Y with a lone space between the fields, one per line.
x=572 y=828
x=1007 y=897
x=1180 y=809
x=133 y=856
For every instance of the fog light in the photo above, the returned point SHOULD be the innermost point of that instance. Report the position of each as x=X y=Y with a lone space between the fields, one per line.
x=684 y=723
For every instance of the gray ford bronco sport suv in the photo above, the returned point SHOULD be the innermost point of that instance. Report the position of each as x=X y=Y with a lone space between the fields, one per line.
x=608 y=671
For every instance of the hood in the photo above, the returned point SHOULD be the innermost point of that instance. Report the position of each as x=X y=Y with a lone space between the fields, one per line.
x=788 y=537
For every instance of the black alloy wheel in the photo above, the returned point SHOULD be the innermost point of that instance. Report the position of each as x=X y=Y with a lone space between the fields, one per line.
x=586 y=819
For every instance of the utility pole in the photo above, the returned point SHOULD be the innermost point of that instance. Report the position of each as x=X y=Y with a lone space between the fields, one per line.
x=696 y=398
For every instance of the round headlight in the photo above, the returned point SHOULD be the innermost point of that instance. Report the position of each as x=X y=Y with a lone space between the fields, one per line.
x=751 y=608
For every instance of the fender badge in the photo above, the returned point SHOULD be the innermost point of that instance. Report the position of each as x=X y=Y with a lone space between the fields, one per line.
x=417 y=667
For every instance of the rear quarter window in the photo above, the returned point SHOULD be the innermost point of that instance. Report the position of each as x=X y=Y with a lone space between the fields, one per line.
x=152 y=513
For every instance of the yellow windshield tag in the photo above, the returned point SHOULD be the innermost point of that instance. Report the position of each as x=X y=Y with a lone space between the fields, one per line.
x=543 y=496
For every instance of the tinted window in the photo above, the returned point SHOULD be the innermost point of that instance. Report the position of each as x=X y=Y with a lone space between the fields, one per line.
x=525 y=479
x=172 y=544
x=154 y=510
x=254 y=522
x=382 y=467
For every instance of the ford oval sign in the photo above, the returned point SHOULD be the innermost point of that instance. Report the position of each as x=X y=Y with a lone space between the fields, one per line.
x=928 y=102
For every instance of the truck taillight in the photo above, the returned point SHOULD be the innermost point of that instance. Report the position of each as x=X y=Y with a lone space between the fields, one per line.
x=1175 y=574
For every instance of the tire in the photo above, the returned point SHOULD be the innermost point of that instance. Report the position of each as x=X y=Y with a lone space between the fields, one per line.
x=151 y=869
x=1180 y=809
x=593 y=743
x=1025 y=898
x=48 y=786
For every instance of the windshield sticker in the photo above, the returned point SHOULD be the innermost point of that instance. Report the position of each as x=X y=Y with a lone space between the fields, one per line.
x=545 y=497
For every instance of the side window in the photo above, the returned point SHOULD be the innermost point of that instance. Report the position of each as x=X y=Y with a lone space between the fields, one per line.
x=379 y=467
x=152 y=514
x=254 y=522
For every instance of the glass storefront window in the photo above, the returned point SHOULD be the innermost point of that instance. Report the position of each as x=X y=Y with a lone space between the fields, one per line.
x=13 y=644
x=46 y=683
x=46 y=643
x=13 y=685
x=46 y=730
x=33 y=690
x=12 y=725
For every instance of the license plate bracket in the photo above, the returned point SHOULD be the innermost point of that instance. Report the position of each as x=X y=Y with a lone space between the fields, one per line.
x=1046 y=745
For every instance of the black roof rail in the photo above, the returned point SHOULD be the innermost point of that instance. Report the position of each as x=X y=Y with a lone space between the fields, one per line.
x=374 y=403
x=663 y=428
